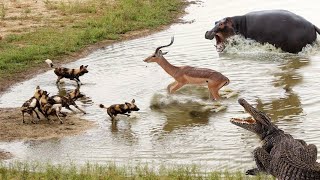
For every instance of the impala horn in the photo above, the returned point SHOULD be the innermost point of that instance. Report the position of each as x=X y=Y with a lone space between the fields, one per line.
x=158 y=48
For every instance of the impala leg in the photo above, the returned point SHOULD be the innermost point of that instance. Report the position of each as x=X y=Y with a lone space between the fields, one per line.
x=175 y=87
x=214 y=93
x=170 y=85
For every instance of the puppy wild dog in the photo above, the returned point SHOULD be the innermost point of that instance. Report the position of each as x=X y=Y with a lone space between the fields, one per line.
x=124 y=109
x=30 y=105
x=50 y=109
x=72 y=74
x=67 y=100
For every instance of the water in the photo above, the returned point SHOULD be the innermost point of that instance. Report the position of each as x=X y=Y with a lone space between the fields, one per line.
x=180 y=128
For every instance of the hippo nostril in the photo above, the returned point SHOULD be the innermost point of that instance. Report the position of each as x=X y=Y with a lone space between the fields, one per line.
x=241 y=101
x=209 y=35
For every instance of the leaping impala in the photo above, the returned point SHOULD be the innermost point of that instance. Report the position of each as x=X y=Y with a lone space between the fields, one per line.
x=188 y=74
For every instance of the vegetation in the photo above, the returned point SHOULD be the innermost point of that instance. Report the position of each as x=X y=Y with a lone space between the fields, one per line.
x=101 y=21
x=29 y=171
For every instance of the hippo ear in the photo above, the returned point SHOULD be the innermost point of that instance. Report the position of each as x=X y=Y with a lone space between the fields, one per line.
x=228 y=20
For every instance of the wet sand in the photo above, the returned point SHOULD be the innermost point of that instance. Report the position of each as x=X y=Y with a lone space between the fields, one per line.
x=12 y=127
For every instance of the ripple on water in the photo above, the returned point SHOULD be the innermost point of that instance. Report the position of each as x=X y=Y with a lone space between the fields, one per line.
x=181 y=128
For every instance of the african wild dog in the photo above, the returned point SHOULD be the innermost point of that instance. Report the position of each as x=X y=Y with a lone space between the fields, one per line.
x=30 y=105
x=115 y=109
x=50 y=109
x=67 y=100
x=72 y=74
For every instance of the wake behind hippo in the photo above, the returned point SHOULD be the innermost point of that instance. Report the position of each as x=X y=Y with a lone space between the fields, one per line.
x=281 y=28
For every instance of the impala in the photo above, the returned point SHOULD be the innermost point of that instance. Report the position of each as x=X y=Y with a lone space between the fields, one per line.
x=189 y=75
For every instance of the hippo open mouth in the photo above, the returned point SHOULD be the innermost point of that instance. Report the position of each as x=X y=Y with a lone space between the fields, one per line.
x=219 y=39
x=219 y=42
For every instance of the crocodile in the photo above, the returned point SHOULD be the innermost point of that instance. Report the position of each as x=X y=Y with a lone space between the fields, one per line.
x=280 y=155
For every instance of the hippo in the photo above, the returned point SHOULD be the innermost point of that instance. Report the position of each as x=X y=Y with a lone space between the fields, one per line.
x=281 y=28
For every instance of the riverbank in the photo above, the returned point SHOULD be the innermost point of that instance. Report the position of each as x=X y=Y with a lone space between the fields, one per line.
x=30 y=171
x=12 y=128
x=65 y=30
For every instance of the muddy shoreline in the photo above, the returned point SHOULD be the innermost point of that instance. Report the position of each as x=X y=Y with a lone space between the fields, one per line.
x=12 y=128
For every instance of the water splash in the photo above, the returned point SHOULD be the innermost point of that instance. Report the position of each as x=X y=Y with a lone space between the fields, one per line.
x=238 y=45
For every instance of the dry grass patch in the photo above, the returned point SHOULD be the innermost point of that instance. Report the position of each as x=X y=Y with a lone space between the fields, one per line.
x=19 y=16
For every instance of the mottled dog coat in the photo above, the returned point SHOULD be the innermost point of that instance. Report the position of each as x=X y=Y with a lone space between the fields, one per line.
x=72 y=74
x=30 y=105
x=50 y=109
x=67 y=100
x=124 y=109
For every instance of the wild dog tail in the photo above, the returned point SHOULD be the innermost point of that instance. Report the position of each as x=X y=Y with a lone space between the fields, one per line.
x=317 y=29
x=49 y=62
x=102 y=106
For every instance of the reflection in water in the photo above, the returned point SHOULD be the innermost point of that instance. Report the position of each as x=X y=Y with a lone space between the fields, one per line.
x=181 y=112
x=288 y=77
x=123 y=131
x=190 y=130
x=62 y=91
x=282 y=108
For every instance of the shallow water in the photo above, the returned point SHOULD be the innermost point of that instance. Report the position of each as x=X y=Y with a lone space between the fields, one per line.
x=182 y=128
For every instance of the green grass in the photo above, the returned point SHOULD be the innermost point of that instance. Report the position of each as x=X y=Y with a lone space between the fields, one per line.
x=18 y=52
x=30 y=171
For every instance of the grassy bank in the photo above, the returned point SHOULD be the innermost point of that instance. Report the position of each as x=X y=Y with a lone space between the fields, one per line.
x=90 y=172
x=83 y=24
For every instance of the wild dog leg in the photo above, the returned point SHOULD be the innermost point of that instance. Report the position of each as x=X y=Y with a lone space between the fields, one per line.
x=68 y=107
x=61 y=122
x=40 y=110
x=23 y=117
x=80 y=109
x=31 y=113
x=78 y=81
x=36 y=114
x=58 y=80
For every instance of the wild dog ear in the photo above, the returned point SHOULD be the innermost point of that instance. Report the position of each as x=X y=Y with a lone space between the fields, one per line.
x=38 y=87
x=133 y=101
x=128 y=104
x=86 y=66
x=81 y=67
